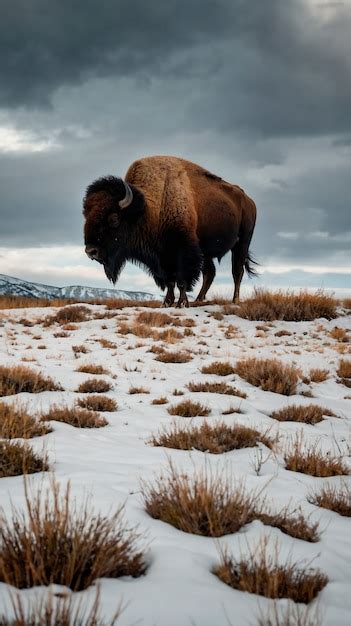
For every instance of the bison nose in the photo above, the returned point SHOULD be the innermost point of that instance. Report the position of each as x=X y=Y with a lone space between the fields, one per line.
x=93 y=252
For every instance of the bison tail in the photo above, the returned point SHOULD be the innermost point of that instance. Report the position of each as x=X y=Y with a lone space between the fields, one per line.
x=249 y=266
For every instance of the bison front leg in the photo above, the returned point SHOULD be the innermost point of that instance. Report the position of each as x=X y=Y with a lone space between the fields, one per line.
x=190 y=260
x=169 y=299
x=183 y=298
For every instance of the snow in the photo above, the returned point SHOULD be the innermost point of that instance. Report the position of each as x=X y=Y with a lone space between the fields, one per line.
x=179 y=588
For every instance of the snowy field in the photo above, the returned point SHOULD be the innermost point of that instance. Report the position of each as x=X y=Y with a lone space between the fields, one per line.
x=179 y=587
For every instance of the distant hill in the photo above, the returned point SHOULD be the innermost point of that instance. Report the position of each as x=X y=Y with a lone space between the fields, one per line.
x=10 y=286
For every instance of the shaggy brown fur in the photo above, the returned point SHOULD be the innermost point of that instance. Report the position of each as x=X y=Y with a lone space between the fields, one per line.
x=180 y=219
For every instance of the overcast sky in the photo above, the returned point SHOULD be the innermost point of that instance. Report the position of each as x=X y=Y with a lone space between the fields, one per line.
x=259 y=92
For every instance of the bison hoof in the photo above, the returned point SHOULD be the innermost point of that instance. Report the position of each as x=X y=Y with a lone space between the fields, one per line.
x=181 y=304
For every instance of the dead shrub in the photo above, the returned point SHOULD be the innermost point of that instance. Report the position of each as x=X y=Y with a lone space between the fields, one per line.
x=313 y=461
x=213 y=438
x=79 y=418
x=160 y=400
x=220 y=368
x=344 y=368
x=317 y=375
x=333 y=498
x=20 y=379
x=139 y=330
x=155 y=318
x=288 y=306
x=188 y=408
x=16 y=423
x=94 y=385
x=134 y=390
x=170 y=335
x=222 y=388
x=54 y=542
x=18 y=458
x=98 y=403
x=173 y=357
x=269 y=374
x=68 y=314
x=81 y=349
x=90 y=368
x=309 y=414
x=262 y=574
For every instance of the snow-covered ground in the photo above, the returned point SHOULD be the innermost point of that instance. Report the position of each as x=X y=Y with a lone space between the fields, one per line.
x=179 y=588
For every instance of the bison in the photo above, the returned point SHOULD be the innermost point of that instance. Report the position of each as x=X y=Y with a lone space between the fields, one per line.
x=173 y=218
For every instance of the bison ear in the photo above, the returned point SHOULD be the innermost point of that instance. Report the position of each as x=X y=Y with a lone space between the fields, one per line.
x=128 y=198
x=113 y=220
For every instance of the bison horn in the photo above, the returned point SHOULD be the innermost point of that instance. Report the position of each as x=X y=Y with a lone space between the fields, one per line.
x=128 y=198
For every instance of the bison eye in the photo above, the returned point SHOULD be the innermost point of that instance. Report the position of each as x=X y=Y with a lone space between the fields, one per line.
x=113 y=220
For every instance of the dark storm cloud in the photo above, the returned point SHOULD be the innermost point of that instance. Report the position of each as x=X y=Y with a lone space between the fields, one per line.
x=265 y=67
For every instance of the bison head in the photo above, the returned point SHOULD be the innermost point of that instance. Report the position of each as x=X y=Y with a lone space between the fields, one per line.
x=111 y=209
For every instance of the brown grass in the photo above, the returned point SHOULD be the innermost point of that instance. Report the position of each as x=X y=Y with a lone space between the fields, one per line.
x=90 y=368
x=282 y=333
x=55 y=611
x=18 y=458
x=178 y=392
x=94 y=385
x=81 y=349
x=188 y=408
x=222 y=388
x=119 y=303
x=68 y=314
x=262 y=574
x=288 y=306
x=269 y=374
x=344 y=368
x=139 y=330
x=155 y=318
x=317 y=375
x=232 y=409
x=214 y=438
x=98 y=403
x=173 y=357
x=333 y=498
x=339 y=334
x=106 y=343
x=16 y=423
x=19 y=379
x=313 y=461
x=79 y=418
x=220 y=368
x=309 y=414
x=19 y=302
x=213 y=506
x=160 y=400
x=52 y=541
x=134 y=390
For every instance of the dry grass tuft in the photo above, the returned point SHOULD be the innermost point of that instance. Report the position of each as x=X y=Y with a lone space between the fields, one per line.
x=155 y=318
x=79 y=418
x=309 y=414
x=344 y=368
x=19 y=302
x=16 y=423
x=188 y=408
x=333 y=498
x=69 y=314
x=81 y=349
x=98 y=403
x=18 y=458
x=317 y=375
x=106 y=343
x=209 y=387
x=288 y=306
x=269 y=374
x=160 y=400
x=20 y=379
x=220 y=368
x=53 y=541
x=214 y=438
x=293 y=524
x=134 y=390
x=173 y=357
x=178 y=392
x=90 y=368
x=313 y=461
x=339 y=334
x=262 y=574
x=94 y=385
x=232 y=409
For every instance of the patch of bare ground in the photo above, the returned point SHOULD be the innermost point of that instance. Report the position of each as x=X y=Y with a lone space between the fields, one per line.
x=313 y=461
x=160 y=400
x=220 y=368
x=134 y=390
x=94 y=385
x=50 y=611
x=214 y=438
x=269 y=374
x=18 y=458
x=16 y=423
x=261 y=573
x=52 y=541
x=188 y=408
x=213 y=506
x=308 y=414
x=77 y=417
x=344 y=371
x=19 y=379
x=209 y=387
x=173 y=357
x=317 y=375
x=90 y=368
x=333 y=498
x=288 y=306
x=68 y=315
x=98 y=403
